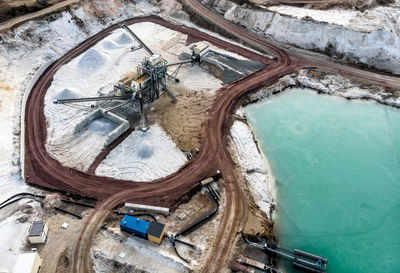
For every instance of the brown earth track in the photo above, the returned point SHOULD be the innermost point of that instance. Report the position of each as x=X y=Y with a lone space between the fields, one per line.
x=23 y=18
x=212 y=155
x=47 y=172
x=287 y=61
x=305 y=58
x=212 y=152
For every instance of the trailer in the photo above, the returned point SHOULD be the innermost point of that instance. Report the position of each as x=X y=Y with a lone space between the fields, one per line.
x=28 y=263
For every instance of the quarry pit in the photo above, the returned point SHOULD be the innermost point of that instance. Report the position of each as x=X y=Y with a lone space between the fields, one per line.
x=183 y=170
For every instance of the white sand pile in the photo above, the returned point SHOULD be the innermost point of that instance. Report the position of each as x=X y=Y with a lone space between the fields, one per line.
x=143 y=156
x=145 y=149
x=123 y=39
x=93 y=73
x=65 y=94
x=91 y=60
x=253 y=165
x=110 y=45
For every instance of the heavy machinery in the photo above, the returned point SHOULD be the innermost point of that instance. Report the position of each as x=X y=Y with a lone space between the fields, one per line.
x=146 y=84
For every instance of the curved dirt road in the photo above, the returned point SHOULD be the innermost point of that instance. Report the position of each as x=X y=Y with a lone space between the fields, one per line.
x=41 y=169
x=23 y=18
x=309 y=59
x=45 y=171
x=286 y=62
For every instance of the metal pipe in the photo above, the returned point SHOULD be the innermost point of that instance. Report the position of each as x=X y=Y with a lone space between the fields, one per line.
x=309 y=255
x=16 y=200
x=68 y=212
x=21 y=193
x=143 y=118
x=200 y=221
x=78 y=203
x=280 y=253
x=306 y=268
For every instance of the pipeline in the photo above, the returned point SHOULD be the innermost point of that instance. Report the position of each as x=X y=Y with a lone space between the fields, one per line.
x=309 y=256
x=35 y=197
x=301 y=260
x=305 y=268
x=78 y=203
x=214 y=198
x=21 y=193
x=68 y=212
x=139 y=214
x=16 y=200
x=204 y=218
x=238 y=117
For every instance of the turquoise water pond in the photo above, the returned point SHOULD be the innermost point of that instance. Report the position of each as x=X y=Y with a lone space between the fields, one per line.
x=337 y=169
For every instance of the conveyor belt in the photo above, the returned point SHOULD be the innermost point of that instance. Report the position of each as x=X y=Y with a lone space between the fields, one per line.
x=63 y=101
x=137 y=38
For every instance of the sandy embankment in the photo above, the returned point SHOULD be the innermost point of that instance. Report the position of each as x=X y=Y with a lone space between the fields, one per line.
x=253 y=165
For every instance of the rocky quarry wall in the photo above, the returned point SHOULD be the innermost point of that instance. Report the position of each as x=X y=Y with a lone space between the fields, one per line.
x=369 y=38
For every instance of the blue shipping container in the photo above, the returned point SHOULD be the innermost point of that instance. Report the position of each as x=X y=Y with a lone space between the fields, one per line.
x=135 y=226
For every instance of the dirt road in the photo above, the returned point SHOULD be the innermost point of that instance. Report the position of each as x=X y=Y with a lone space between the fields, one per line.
x=21 y=19
x=287 y=61
x=306 y=59
x=42 y=170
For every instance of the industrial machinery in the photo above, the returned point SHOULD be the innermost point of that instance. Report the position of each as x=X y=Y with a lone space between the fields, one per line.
x=301 y=260
x=146 y=83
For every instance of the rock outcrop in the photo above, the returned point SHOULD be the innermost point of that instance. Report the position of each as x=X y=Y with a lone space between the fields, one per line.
x=370 y=38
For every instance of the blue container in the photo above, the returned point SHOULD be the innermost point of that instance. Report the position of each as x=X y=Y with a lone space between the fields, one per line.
x=134 y=226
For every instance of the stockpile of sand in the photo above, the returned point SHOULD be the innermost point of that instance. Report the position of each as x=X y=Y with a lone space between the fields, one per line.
x=143 y=156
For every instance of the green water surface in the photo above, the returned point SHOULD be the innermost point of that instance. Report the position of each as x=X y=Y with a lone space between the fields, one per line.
x=337 y=169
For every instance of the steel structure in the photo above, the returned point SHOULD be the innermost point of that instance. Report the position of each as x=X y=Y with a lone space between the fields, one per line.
x=148 y=82
x=301 y=260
